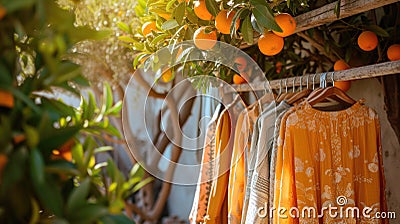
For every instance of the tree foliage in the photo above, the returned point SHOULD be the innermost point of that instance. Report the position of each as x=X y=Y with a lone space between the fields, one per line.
x=48 y=169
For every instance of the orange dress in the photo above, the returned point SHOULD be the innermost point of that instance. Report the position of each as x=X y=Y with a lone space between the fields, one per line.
x=217 y=208
x=329 y=160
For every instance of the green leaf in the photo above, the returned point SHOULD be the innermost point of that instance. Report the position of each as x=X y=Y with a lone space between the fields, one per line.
x=36 y=167
x=115 y=109
x=32 y=136
x=169 y=24
x=256 y=26
x=126 y=39
x=107 y=96
x=103 y=149
x=264 y=16
x=142 y=184
x=77 y=154
x=179 y=12
x=236 y=17
x=78 y=196
x=88 y=214
x=91 y=107
x=62 y=167
x=212 y=7
x=134 y=169
x=256 y=3
x=159 y=38
x=124 y=27
x=169 y=5
x=378 y=30
x=191 y=16
x=50 y=196
x=247 y=31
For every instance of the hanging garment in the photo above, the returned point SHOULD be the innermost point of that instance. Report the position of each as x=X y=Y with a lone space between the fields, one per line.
x=259 y=185
x=272 y=170
x=238 y=170
x=326 y=156
x=202 y=194
x=250 y=159
x=216 y=211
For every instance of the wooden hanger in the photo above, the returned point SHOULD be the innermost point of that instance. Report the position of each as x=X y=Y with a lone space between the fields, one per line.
x=329 y=92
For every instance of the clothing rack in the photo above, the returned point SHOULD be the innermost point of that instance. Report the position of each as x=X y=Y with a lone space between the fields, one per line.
x=369 y=71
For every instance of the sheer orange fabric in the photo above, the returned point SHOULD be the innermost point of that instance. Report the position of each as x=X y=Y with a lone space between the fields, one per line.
x=329 y=160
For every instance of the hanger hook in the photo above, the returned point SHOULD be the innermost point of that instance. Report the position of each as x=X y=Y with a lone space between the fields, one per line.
x=307 y=80
x=301 y=83
x=294 y=79
x=333 y=78
x=286 y=87
x=322 y=80
x=313 y=81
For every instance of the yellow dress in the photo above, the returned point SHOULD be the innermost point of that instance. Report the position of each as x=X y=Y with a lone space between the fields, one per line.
x=329 y=160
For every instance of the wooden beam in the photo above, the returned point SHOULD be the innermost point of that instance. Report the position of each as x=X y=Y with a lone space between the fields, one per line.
x=369 y=71
x=326 y=14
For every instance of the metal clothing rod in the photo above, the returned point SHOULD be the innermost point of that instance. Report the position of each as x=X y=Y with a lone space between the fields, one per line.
x=369 y=71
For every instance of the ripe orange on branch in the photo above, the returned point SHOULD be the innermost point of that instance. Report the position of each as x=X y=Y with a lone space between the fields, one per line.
x=367 y=40
x=237 y=79
x=6 y=99
x=201 y=11
x=287 y=23
x=393 y=52
x=204 y=40
x=148 y=27
x=224 y=20
x=270 y=44
x=340 y=65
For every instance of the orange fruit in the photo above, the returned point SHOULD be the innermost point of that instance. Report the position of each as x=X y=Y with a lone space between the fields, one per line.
x=237 y=79
x=6 y=99
x=270 y=44
x=287 y=23
x=343 y=85
x=367 y=40
x=19 y=138
x=148 y=27
x=3 y=12
x=165 y=15
x=204 y=40
x=393 y=52
x=241 y=63
x=278 y=67
x=201 y=11
x=64 y=152
x=223 y=21
x=167 y=76
x=340 y=65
